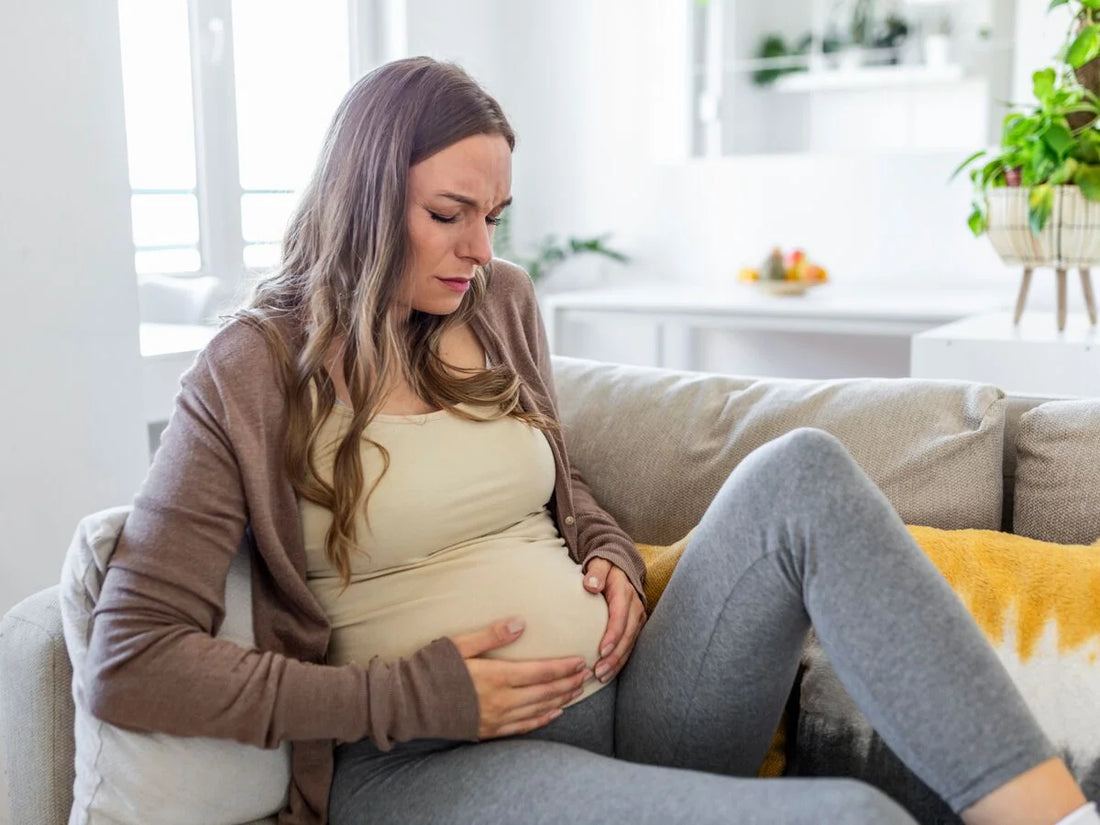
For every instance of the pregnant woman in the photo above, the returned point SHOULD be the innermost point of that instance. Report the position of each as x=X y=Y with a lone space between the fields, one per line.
x=449 y=628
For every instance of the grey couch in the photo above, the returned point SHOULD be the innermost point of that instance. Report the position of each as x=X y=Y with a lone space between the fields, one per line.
x=655 y=446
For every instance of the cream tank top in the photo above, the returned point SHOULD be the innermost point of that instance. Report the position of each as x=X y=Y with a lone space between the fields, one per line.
x=459 y=536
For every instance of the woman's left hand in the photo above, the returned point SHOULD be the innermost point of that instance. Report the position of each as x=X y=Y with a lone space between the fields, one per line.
x=625 y=616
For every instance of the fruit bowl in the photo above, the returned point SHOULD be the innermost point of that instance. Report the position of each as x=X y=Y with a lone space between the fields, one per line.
x=781 y=274
x=784 y=287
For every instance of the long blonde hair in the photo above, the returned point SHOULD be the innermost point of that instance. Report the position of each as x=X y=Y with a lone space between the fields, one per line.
x=345 y=255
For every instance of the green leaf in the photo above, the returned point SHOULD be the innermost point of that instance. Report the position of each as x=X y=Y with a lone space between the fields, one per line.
x=1040 y=203
x=977 y=221
x=1088 y=146
x=1040 y=164
x=1088 y=178
x=1085 y=47
x=1016 y=130
x=1042 y=84
x=1064 y=173
x=1063 y=98
x=967 y=162
x=1059 y=139
x=1056 y=3
x=992 y=170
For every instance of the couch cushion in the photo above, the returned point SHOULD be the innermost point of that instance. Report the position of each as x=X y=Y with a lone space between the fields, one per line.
x=655 y=445
x=36 y=711
x=1058 y=472
x=131 y=778
x=1015 y=407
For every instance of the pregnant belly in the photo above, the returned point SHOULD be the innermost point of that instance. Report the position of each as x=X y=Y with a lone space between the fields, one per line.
x=393 y=615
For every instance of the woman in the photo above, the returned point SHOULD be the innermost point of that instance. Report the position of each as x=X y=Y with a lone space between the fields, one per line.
x=435 y=588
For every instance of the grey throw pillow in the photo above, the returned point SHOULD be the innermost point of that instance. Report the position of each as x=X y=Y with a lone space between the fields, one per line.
x=1058 y=472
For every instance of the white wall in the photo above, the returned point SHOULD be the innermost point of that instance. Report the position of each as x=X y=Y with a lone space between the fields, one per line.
x=73 y=436
x=469 y=33
x=1044 y=33
x=591 y=92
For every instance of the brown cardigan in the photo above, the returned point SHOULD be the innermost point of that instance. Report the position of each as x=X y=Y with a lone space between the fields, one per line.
x=153 y=663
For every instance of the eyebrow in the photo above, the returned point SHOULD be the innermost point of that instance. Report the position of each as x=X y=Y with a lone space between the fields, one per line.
x=468 y=201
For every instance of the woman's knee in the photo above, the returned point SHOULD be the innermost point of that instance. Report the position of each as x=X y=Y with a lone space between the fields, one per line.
x=808 y=445
x=798 y=464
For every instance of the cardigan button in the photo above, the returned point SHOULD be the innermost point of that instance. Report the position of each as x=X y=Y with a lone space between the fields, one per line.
x=569 y=520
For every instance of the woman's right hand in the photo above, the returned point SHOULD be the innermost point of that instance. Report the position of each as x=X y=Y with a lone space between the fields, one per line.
x=517 y=697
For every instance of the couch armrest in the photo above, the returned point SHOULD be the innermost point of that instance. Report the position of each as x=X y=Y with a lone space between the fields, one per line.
x=36 y=711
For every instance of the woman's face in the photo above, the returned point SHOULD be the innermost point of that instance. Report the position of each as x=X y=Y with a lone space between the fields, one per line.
x=456 y=197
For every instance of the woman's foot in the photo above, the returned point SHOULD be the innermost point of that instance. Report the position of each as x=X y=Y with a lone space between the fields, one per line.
x=1045 y=795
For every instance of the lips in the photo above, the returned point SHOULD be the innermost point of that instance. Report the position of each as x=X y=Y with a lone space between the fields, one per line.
x=457 y=284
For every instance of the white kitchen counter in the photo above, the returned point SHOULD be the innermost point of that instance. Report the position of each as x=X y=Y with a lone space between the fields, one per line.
x=673 y=313
x=1033 y=358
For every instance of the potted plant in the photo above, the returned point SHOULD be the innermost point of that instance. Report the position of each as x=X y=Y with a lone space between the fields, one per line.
x=860 y=25
x=777 y=58
x=862 y=21
x=1038 y=196
x=937 y=43
x=891 y=37
x=551 y=251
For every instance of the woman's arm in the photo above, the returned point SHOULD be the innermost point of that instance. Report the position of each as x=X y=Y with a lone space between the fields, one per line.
x=153 y=663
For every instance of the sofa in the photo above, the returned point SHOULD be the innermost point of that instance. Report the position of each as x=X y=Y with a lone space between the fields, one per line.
x=655 y=445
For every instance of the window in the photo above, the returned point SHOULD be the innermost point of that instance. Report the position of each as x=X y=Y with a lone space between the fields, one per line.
x=226 y=104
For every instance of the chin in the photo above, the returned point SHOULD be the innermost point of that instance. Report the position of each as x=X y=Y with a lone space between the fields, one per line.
x=440 y=307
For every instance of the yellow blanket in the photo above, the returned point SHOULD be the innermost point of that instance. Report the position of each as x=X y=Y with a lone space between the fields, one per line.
x=1036 y=601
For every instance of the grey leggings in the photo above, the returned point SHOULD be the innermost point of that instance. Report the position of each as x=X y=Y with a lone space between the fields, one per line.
x=797 y=535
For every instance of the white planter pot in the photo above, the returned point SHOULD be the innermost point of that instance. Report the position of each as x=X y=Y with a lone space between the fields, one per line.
x=1010 y=234
x=1079 y=229
x=1071 y=236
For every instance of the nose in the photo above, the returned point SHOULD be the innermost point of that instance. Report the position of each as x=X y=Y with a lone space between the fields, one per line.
x=478 y=243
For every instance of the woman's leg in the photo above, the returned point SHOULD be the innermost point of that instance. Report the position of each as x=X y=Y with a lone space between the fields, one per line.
x=798 y=533
x=541 y=779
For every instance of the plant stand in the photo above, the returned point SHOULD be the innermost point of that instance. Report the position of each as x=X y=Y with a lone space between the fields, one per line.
x=1070 y=240
x=1060 y=273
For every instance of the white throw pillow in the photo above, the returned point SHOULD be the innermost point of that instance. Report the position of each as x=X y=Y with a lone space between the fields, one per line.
x=130 y=778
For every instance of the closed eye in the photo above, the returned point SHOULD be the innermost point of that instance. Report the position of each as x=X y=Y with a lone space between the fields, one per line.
x=492 y=220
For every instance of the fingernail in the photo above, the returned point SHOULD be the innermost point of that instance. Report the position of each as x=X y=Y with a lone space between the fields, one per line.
x=580 y=667
x=515 y=625
x=554 y=714
x=602 y=671
x=576 y=693
x=593 y=581
x=606 y=651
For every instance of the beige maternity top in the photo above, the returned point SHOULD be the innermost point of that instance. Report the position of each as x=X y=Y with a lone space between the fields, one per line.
x=457 y=535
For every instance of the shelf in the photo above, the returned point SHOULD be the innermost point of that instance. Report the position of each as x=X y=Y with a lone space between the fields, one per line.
x=868 y=77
